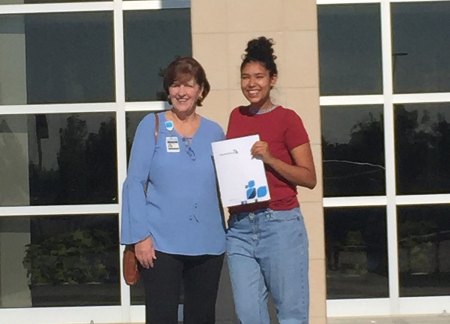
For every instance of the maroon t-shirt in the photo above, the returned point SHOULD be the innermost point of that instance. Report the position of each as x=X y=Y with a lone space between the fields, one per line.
x=283 y=130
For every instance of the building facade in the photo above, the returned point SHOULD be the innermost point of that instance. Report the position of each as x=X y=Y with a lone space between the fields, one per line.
x=369 y=79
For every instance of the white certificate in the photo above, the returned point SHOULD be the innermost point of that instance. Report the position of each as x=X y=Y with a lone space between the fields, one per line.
x=242 y=178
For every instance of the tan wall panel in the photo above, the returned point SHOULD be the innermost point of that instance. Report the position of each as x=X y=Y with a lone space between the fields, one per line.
x=217 y=107
x=209 y=16
x=317 y=288
x=299 y=15
x=217 y=73
x=305 y=101
x=254 y=15
x=314 y=220
x=300 y=59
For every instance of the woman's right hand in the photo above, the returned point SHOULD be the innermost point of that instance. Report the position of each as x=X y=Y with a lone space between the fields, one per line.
x=145 y=252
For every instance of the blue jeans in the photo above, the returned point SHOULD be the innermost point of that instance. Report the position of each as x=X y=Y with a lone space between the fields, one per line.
x=267 y=252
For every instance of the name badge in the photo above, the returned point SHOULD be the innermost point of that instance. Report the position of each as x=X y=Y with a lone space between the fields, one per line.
x=172 y=144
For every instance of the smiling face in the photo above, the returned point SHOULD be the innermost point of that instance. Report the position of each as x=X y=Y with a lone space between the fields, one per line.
x=184 y=93
x=256 y=84
x=188 y=72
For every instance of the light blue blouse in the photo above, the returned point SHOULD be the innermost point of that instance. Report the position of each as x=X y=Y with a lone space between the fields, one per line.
x=181 y=210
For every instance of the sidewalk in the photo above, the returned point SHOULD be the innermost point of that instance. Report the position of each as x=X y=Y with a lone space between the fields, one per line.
x=422 y=319
x=419 y=319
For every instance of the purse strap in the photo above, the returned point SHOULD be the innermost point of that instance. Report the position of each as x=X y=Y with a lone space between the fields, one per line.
x=156 y=130
x=155 y=135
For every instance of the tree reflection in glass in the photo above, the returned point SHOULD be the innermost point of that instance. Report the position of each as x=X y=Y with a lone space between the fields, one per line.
x=353 y=150
x=422 y=148
x=75 y=163
x=73 y=260
x=423 y=248
x=356 y=252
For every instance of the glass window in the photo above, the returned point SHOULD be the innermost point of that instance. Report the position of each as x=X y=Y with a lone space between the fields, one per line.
x=420 y=46
x=56 y=58
x=424 y=247
x=422 y=148
x=152 y=40
x=356 y=252
x=58 y=159
x=59 y=261
x=138 y=294
x=350 y=49
x=353 y=150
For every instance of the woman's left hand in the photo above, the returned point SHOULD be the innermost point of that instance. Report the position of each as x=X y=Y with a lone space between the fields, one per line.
x=260 y=150
x=301 y=173
x=145 y=252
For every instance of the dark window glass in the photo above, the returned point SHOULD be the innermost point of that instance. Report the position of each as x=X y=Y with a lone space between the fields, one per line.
x=353 y=150
x=152 y=40
x=137 y=294
x=58 y=159
x=59 y=261
x=423 y=148
x=356 y=252
x=350 y=49
x=420 y=46
x=57 y=58
x=424 y=249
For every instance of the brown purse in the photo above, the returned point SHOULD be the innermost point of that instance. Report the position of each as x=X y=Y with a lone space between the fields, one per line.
x=131 y=272
x=131 y=267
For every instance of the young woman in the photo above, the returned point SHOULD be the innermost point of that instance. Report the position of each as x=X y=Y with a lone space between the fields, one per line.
x=175 y=221
x=267 y=244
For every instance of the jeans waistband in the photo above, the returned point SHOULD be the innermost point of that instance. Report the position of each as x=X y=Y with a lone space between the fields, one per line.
x=242 y=215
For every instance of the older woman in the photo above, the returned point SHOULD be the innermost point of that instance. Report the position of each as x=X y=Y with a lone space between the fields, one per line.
x=174 y=219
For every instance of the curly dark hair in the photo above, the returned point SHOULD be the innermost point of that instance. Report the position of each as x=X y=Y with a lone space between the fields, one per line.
x=260 y=50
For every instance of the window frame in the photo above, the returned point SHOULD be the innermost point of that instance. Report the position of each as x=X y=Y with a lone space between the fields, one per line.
x=98 y=314
x=394 y=304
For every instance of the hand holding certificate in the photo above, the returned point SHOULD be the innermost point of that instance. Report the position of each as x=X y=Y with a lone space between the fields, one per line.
x=242 y=178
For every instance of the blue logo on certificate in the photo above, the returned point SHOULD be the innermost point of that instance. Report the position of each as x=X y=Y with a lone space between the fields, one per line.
x=254 y=192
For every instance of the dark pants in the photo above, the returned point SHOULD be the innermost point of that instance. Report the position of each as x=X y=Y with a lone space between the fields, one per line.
x=199 y=276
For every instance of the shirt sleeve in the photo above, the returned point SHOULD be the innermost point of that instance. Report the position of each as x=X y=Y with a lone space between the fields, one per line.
x=296 y=133
x=133 y=218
